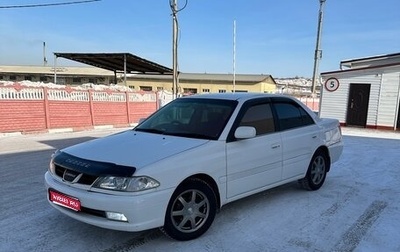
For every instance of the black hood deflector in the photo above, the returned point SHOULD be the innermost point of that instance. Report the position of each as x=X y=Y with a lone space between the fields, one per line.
x=90 y=167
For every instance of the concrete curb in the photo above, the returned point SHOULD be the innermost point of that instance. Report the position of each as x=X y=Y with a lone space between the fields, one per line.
x=11 y=134
x=65 y=130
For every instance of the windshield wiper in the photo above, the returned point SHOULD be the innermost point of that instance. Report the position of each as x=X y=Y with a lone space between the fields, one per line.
x=156 y=131
x=190 y=135
x=179 y=134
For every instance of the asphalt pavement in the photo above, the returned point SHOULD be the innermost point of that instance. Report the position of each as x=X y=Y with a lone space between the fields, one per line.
x=357 y=209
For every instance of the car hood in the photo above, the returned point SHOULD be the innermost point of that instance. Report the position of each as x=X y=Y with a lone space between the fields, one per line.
x=133 y=148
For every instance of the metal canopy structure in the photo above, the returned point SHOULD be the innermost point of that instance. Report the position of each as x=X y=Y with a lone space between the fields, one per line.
x=117 y=62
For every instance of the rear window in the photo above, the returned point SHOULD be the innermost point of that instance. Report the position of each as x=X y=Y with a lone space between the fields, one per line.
x=292 y=116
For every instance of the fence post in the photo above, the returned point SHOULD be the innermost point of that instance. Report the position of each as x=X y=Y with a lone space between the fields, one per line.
x=128 y=110
x=157 y=100
x=91 y=107
x=46 y=107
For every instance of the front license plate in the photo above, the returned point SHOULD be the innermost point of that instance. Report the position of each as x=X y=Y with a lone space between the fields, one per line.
x=65 y=200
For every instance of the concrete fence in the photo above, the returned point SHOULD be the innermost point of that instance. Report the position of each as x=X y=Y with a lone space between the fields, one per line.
x=37 y=109
x=312 y=103
x=27 y=109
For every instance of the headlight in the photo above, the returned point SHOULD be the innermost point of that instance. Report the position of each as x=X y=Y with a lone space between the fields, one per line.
x=133 y=184
x=52 y=167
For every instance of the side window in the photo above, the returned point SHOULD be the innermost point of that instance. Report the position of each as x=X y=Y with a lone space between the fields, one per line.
x=291 y=116
x=260 y=117
x=307 y=120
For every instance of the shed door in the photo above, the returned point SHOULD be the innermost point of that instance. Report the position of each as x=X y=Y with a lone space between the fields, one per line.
x=398 y=119
x=357 y=108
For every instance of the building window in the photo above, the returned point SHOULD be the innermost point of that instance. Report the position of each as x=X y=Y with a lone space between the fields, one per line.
x=206 y=90
x=13 y=77
x=60 y=81
x=131 y=87
x=146 y=88
x=76 y=80
x=160 y=88
x=240 y=91
x=221 y=91
x=43 y=78
x=92 y=80
x=1 y=77
x=190 y=90
x=28 y=77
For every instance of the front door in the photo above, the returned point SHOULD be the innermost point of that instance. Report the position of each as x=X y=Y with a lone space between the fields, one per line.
x=256 y=162
x=357 y=108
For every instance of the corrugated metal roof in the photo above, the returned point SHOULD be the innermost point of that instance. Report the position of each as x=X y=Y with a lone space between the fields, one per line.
x=253 y=78
x=116 y=62
x=361 y=69
x=94 y=71
x=376 y=57
x=89 y=71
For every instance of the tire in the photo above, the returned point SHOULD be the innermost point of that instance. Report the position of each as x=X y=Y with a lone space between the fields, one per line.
x=191 y=210
x=316 y=173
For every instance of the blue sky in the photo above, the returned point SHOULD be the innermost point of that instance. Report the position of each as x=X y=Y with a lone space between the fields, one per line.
x=274 y=37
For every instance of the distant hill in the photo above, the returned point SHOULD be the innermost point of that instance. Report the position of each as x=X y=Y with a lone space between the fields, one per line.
x=295 y=85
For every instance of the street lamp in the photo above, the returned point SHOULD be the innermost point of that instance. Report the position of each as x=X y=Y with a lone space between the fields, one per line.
x=318 y=52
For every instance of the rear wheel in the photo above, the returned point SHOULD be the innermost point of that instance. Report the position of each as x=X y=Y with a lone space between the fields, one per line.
x=316 y=172
x=191 y=210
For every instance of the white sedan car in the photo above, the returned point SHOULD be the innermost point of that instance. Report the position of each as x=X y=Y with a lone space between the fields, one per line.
x=178 y=167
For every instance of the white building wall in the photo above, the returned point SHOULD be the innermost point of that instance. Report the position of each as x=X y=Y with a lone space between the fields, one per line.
x=389 y=99
x=375 y=81
x=334 y=104
x=382 y=73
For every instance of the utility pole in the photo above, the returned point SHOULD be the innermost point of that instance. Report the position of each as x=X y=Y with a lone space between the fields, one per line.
x=234 y=56
x=318 y=52
x=44 y=54
x=174 y=8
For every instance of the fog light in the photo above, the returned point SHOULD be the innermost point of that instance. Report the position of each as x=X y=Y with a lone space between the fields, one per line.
x=116 y=216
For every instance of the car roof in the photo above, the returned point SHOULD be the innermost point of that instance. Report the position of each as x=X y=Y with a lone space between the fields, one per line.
x=234 y=96
x=244 y=96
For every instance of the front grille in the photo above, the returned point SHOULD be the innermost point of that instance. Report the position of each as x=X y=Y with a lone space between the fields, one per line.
x=90 y=211
x=94 y=212
x=73 y=176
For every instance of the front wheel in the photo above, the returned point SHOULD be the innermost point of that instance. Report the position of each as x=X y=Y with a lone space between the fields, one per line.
x=316 y=172
x=191 y=210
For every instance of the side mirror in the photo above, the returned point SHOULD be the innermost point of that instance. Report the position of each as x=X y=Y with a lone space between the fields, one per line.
x=245 y=132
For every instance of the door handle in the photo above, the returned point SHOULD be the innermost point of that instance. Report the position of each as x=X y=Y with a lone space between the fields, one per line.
x=275 y=146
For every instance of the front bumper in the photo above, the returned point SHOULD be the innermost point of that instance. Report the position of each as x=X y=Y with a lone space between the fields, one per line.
x=143 y=211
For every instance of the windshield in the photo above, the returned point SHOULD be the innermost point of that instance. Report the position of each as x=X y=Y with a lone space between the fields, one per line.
x=190 y=117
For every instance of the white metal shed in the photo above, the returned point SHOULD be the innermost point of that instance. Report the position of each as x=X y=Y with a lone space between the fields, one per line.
x=365 y=92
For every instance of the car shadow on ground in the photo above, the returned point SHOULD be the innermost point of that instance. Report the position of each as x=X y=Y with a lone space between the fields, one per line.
x=63 y=143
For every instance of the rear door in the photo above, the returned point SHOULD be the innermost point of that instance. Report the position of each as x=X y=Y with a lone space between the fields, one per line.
x=300 y=137
x=256 y=162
